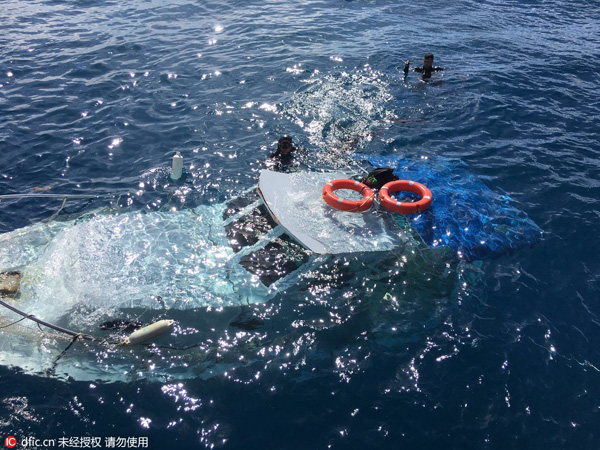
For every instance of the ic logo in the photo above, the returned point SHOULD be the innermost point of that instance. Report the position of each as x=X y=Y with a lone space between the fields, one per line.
x=10 y=441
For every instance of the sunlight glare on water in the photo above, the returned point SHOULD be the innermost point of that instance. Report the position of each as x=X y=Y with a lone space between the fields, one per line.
x=415 y=347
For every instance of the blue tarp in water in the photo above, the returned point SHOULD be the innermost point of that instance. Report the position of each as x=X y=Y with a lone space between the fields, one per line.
x=465 y=215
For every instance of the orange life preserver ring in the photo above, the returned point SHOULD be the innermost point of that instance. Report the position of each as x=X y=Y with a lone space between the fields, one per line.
x=348 y=205
x=405 y=207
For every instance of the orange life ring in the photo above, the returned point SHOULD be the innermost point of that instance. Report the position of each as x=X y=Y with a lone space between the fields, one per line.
x=348 y=205
x=405 y=207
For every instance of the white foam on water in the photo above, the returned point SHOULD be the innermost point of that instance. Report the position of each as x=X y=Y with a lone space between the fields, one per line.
x=340 y=112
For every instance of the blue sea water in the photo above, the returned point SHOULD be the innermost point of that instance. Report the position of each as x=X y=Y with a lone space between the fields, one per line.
x=96 y=96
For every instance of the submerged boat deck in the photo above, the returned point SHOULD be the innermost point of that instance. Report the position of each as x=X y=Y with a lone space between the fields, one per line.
x=295 y=201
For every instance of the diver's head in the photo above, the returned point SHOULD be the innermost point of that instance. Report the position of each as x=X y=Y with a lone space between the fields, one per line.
x=428 y=60
x=285 y=144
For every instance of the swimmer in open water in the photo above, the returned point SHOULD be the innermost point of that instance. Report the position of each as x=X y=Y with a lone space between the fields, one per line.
x=427 y=69
x=285 y=149
x=286 y=156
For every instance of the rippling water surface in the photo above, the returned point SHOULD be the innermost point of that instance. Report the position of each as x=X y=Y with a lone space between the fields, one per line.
x=418 y=352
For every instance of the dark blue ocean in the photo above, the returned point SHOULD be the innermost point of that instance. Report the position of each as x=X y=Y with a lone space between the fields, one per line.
x=96 y=96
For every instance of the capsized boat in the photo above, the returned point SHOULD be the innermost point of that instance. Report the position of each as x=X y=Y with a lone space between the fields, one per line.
x=81 y=273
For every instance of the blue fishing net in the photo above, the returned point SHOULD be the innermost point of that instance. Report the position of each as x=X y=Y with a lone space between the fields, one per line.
x=465 y=215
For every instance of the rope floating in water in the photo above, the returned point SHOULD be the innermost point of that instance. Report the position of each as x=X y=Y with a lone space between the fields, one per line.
x=5 y=196
x=47 y=324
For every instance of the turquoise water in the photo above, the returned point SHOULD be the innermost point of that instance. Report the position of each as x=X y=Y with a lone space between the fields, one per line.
x=95 y=97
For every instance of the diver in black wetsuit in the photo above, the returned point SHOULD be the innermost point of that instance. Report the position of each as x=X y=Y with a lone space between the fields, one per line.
x=285 y=150
x=377 y=178
x=286 y=156
x=427 y=69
